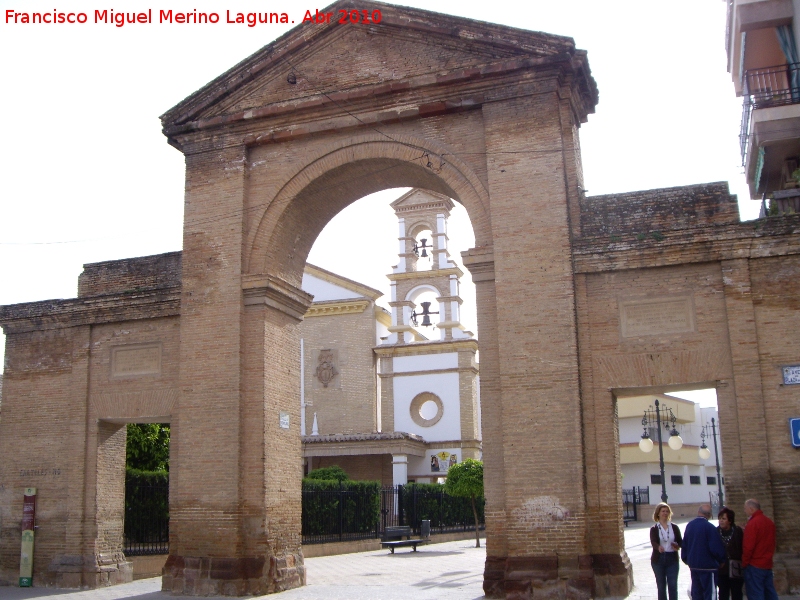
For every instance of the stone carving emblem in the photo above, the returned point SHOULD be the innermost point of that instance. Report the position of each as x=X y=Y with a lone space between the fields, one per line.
x=326 y=370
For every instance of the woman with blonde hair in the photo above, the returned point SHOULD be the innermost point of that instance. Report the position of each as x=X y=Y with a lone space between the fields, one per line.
x=666 y=540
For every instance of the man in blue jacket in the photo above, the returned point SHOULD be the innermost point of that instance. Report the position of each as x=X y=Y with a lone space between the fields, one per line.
x=703 y=551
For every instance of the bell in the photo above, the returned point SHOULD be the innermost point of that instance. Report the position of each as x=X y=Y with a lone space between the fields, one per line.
x=426 y=321
x=424 y=253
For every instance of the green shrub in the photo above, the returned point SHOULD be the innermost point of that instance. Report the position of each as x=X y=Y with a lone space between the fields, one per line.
x=329 y=473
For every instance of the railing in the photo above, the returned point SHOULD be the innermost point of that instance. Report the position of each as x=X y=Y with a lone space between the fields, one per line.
x=447 y=514
x=146 y=517
x=343 y=515
x=328 y=515
x=764 y=88
x=713 y=498
x=631 y=500
x=339 y=515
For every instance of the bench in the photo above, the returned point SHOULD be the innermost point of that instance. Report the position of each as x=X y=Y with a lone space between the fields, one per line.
x=393 y=537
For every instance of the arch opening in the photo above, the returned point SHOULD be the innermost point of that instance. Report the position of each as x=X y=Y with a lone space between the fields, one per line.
x=284 y=229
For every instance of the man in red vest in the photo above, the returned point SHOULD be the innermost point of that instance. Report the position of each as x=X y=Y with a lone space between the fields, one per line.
x=758 y=548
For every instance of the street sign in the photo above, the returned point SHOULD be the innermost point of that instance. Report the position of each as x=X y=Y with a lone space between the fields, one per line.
x=28 y=527
x=791 y=375
x=794 y=426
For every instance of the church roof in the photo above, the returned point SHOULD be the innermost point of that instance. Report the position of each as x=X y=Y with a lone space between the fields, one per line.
x=338 y=280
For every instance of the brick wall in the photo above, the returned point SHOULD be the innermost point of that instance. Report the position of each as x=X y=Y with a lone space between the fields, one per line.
x=650 y=211
x=368 y=467
x=130 y=274
x=349 y=403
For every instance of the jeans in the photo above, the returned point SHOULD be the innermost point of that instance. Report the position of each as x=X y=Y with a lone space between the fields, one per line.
x=759 y=584
x=666 y=571
x=703 y=587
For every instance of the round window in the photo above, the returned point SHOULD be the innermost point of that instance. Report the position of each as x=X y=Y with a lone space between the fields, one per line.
x=426 y=409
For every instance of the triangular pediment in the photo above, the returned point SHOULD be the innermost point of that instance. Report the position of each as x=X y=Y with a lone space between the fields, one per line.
x=331 y=59
x=418 y=200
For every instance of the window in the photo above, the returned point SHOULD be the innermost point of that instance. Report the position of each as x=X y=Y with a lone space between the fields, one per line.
x=711 y=481
x=655 y=478
x=677 y=479
x=694 y=479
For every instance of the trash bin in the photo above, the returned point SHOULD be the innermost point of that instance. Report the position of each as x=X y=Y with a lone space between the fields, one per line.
x=425 y=530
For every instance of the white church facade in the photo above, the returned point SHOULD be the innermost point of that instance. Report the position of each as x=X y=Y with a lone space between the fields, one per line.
x=392 y=395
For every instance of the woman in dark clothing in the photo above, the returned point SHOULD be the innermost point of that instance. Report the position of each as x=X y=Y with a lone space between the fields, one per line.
x=666 y=540
x=730 y=588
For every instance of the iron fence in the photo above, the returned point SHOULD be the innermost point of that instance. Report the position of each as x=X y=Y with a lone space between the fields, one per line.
x=146 y=517
x=632 y=499
x=340 y=515
x=327 y=515
x=345 y=515
x=446 y=513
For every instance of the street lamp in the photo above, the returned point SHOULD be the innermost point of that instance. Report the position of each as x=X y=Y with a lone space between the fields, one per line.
x=705 y=453
x=654 y=416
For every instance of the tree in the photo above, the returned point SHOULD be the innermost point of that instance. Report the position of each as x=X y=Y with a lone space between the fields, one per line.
x=465 y=480
x=148 y=447
x=329 y=473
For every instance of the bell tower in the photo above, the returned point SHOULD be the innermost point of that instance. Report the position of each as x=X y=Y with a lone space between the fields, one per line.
x=429 y=383
x=424 y=266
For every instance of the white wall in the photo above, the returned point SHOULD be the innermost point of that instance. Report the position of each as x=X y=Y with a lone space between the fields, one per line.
x=444 y=385
x=425 y=362
x=638 y=475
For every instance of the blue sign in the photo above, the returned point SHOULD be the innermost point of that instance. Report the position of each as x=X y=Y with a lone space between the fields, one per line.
x=794 y=425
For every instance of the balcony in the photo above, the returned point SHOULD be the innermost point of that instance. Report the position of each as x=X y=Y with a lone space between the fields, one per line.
x=770 y=129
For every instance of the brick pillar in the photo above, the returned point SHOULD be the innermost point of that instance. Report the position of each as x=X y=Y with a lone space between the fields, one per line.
x=611 y=565
x=235 y=474
x=747 y=474
x=205 y=495
x=543 y=543
x=757 y=462
x=272 y=467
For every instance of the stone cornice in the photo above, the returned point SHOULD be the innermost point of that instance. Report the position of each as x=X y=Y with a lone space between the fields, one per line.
x=423 y=275
x=393 y=374
x=774 y=236
x=337 y=307
x=431 y=347
x=73 y=312
x=480 y=263
x=277 y=294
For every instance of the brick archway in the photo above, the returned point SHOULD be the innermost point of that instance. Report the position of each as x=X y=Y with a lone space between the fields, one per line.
x=355 y=167
x=498 y=134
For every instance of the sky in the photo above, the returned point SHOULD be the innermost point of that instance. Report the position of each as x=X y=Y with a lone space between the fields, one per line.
x=86 y=174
